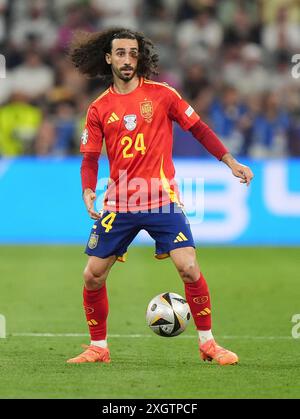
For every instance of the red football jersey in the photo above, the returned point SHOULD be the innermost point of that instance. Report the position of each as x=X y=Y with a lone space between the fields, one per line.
x=137 y=128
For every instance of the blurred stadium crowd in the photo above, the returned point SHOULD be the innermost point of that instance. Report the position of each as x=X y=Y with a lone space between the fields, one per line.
x=230 y=59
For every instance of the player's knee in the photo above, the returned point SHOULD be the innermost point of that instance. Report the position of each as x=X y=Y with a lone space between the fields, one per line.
x=93 y=280
x=189 y=271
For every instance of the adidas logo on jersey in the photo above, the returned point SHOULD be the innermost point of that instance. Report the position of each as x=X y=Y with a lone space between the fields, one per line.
x=180 y=238
x=113 y=118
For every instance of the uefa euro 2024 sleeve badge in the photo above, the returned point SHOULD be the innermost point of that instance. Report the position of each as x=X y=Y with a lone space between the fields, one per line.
x=85 y=136
x=93 y=241
x=130 y=122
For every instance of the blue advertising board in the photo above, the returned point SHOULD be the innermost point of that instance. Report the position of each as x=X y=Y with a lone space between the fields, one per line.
x=41 y=202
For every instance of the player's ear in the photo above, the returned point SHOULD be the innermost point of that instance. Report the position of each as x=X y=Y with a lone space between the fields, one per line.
x=108 y=58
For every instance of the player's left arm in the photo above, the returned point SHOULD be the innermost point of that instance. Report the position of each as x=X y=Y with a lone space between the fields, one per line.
x=214 y=146
x=239 y=170
x=188 y=119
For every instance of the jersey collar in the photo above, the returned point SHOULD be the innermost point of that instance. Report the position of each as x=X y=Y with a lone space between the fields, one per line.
x=112 y=90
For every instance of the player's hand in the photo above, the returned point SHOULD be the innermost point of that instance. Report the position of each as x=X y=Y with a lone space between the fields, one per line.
x=89 y=198
x=239 y=170
x=243 y=172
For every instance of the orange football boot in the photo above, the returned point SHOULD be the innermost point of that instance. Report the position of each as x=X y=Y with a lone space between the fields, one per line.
x=91 y=354
x=210 y=350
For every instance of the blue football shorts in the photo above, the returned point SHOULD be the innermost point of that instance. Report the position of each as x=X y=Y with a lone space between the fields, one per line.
x=114 y=231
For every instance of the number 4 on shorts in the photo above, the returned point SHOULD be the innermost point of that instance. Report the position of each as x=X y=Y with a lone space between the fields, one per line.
x=107 y=221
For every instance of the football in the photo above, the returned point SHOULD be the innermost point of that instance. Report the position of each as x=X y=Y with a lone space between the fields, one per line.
x=168 y=314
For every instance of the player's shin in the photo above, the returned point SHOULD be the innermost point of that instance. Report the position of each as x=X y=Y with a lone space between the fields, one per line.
x=198 y=298
x=96 y=311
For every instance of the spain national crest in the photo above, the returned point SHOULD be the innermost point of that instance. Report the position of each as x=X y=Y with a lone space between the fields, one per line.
x=147 y=110
x=93 y=241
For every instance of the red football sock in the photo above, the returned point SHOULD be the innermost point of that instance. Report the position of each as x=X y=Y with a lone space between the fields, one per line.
x=95 y=304
x=197 y=296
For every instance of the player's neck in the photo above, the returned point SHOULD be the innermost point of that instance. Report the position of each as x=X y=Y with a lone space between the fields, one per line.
x=123 y=87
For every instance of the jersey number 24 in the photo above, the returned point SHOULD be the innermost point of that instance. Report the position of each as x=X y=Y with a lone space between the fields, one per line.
x=129 y=143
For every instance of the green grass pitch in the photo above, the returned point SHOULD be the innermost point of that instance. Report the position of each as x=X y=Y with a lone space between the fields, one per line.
x=255 y=293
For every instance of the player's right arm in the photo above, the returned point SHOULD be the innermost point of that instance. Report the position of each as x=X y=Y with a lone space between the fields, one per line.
x=91 y=145
x=89 y=172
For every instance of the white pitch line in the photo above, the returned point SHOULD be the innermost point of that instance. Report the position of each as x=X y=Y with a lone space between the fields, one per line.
x=146 y=336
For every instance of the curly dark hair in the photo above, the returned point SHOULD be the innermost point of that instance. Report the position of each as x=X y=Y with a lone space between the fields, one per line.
x=87 y=52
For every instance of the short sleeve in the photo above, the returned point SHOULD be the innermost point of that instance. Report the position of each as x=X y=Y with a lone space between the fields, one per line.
x=181 y=112
x=92 y=136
